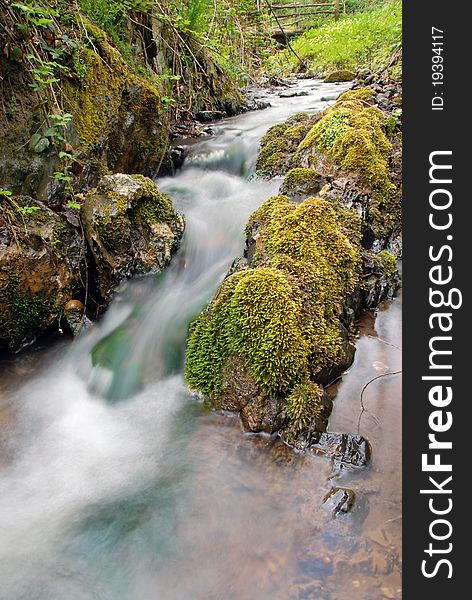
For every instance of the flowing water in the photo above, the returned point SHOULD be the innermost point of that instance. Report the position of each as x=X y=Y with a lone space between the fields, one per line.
x=116 y=483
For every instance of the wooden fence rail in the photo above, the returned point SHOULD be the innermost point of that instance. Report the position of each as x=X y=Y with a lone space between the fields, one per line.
x=289 y=15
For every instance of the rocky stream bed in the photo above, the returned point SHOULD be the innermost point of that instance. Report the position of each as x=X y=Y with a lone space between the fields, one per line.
x=130 y=486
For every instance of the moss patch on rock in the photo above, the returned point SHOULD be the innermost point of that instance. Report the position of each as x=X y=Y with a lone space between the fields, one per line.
x=389 y=263
x=119 y=116
x=353 y=136
x=280 y=144
x=282 y=314
x=41 y=264
x=339 y=76
x=304 y=403
x=364 y=93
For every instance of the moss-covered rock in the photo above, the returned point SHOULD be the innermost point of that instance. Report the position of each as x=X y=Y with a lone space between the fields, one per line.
x=120 y=120
x=41 y=265
x=280 y=316
x=280 y=143
x=359 y=162
x=339 y=76
x=131 y=228
x=367 y=94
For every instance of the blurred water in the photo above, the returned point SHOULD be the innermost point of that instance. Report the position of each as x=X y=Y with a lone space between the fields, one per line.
x=116 y=484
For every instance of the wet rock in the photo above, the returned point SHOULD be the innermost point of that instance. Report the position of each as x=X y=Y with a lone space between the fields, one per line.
x=263 y=413
x=41 y=264
x=339 y=76
x=381 y=278
x=240 y=393
x=347 y=450
x=131 y=229
x=329 y=374
x=302 y=183
x=177 y=155
x=339 y=500
x=207 y=116
x=74 y=314
x=292 y=94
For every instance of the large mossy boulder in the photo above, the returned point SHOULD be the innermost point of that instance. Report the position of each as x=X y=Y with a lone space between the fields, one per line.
x=41 y=266
x=131 y=229
x=354 y=150
x=276 y=322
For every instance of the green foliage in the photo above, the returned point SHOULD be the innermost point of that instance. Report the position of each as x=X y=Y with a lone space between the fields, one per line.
x=359 y=40
x=282 y=315
x=394 y=121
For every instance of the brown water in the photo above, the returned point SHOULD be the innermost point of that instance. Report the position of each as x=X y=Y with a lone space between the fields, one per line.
x=144 y=495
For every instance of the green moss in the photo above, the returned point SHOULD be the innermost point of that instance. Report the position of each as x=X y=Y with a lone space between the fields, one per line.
x=254 y=316
x=23 y=311
x=155 y=207
x=283 y=314
x=353 y=136
x=296 y=133
x=119 y=215
x=304 y=403
x=364 y=93
x=301 y=177
x=115 y=110
x=389 y=262
x=341 y=75
x=280 y=143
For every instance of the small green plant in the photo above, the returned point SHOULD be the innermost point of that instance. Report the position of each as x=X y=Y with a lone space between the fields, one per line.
x=73 y=205
x=45 y=72
x=60 y=122
x=5 y=193
x=35 y=14
x=62 y=176
x=27 y=210
x=393 y=123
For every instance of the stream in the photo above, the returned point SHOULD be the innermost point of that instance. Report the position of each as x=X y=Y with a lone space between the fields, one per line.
x=117 y=484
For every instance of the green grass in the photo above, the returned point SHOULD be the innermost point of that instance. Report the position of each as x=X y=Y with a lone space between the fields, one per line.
x=359 y=40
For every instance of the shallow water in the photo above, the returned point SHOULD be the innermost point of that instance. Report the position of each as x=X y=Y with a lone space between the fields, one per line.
x=116 y=484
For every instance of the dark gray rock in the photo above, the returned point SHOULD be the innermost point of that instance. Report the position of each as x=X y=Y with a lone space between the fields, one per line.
x=293 y=94
x=347 y=450
x=207 y=116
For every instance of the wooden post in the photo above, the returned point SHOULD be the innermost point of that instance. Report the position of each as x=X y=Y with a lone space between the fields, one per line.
x=336 y=10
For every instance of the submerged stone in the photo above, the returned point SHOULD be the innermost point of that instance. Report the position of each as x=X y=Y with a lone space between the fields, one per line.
x=339 y=500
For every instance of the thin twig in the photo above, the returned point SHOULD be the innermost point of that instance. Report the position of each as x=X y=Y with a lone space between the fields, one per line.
x=364 y=409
